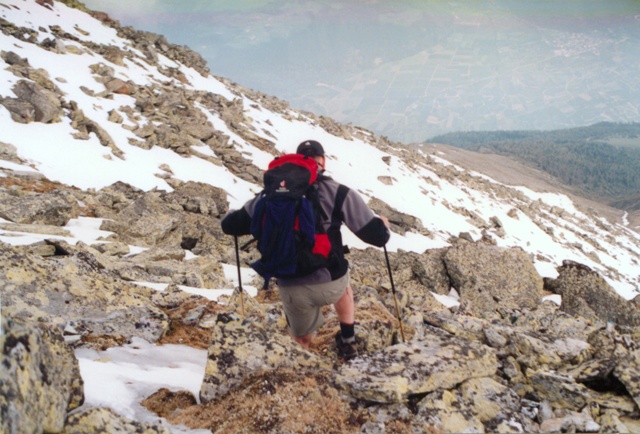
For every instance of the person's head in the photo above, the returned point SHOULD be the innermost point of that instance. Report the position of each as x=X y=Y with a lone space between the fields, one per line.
x=312 y=148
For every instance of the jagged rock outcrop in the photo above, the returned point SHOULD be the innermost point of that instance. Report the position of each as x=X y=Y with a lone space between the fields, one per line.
x=200 y=198
x=487 y=278
x=54 y=209
x=585 y=293
x=39 y=377
x=417 y=367
x=240 y=348
x=188 y=217
x=8 y=152
x=33 y=103
x=70 y=292
x=400 y=222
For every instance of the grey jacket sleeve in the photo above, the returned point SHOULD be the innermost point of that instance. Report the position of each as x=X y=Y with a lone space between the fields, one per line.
x=361 y=221
x=355 y=214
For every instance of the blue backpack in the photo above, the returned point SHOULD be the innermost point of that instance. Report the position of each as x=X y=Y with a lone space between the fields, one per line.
x=286 y=220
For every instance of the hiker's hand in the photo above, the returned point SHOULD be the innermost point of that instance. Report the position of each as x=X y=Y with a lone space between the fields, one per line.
x=385 y=221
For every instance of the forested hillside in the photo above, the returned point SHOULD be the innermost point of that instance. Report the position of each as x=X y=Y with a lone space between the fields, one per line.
x=601 y=160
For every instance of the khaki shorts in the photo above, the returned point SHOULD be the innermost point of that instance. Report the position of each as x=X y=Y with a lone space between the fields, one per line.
x=303 y=303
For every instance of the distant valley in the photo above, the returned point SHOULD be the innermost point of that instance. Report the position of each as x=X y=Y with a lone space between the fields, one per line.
x=599 y=162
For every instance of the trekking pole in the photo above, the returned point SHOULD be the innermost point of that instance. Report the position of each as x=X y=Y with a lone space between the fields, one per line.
x=235 y=237
x=393 y=290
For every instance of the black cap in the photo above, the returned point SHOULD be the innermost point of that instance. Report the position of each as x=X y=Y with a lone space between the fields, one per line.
x=310 y=148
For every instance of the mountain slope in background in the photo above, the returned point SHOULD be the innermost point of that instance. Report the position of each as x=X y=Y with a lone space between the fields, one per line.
x=89 y=105
x=599 y=162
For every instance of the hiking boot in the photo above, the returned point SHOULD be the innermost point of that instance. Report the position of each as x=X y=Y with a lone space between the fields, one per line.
x=346 y=350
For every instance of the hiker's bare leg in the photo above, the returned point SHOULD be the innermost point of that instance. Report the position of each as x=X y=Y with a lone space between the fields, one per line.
x=305 y=341
x=345 y=307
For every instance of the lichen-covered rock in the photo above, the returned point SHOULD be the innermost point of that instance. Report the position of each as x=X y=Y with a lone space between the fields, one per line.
x=429 y=269
x=395 y=373
x=200 y=198
x=585 y=293
x=44 y=104
x=561 y=390
x=572 y=422
x=627 y=370
x=42 y=209
x=377 y=325
x=488 y=278
x=610 y=422
x=147 y=221
x=70 y=288
x=104 y=420
x=444 y=413
x=39 y=378
x=489 y=400
x=240 y=348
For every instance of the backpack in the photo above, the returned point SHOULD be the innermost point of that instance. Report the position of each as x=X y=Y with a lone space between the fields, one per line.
x=287 y=219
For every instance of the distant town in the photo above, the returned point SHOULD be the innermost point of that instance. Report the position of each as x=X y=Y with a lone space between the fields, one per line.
x=482 y=85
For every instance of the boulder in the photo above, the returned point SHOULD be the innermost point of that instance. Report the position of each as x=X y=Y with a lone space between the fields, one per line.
x=104 y=420
x=70 y=289
x=429 y=269
x=627 y=370
x=417 y=367
x=147 y=221
x=400 y=222
x=200 y=198
x=490 y=401
x=489 y=278
x=585 y=293
x=45 y=105
x=43 y=209
x=240 y=348
x=561 y=390
x=39 y=377
x=444 y=413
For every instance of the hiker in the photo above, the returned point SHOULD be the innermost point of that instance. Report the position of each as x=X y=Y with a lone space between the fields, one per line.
x=304 y=295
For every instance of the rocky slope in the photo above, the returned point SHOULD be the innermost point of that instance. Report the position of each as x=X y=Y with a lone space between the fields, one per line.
x=505 y=359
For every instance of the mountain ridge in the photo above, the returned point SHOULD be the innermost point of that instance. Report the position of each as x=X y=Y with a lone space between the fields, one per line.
x=597 y=162
x=511 y=171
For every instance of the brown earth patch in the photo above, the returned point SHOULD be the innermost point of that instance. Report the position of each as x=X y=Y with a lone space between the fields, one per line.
x=269 y=296
x=42 y=185
x=271 y=401
x=183 y=333
x=166 y=403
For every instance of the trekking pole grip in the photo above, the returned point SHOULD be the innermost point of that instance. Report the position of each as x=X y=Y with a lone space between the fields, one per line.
x=393 y=290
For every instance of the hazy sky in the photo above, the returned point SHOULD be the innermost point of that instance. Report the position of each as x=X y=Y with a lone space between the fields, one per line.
x=411 y=69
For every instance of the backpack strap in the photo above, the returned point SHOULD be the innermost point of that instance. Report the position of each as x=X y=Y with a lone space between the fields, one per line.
x=336 y=215
x=339 y=265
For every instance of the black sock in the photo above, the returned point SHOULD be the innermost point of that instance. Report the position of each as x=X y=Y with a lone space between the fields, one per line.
x=347 y=331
